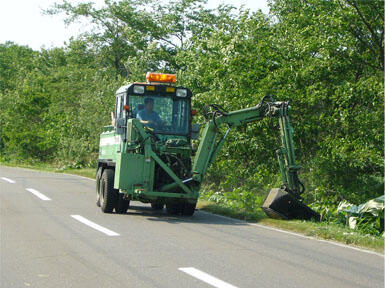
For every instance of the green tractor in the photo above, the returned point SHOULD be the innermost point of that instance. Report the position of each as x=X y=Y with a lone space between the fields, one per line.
x=147 y=154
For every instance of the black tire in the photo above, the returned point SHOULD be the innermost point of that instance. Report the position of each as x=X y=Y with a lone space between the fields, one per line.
x=188 y=209
x=122 y=204
x=108 y=195
x=174 y=208
x=98 y=178
x=157 y=206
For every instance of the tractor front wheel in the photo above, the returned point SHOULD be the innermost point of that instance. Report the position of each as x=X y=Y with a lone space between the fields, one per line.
x=181 y=208
x=108 y=195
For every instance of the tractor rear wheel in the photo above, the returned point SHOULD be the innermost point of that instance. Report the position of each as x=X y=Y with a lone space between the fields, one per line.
x=108 y=195
x=188 y=208
x=122 y=204
x=174 y=208
x=98 y=178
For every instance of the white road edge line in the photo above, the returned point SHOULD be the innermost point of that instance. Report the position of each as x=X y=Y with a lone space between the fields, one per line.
x=213 y=281
x=80 y=176
x=299 y=235
x=8 y=180
x=38 y=194
x=320 y=240
x=94 y=225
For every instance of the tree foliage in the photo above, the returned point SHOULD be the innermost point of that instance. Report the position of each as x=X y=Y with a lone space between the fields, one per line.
x=325 y=57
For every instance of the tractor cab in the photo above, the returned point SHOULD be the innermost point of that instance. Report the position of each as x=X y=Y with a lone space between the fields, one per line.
x=158 y=104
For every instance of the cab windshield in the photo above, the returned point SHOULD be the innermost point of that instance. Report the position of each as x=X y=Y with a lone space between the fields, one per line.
x=164 y=114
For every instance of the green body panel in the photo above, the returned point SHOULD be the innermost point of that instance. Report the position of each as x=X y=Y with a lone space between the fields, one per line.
x=133 y=171
x=109 y=145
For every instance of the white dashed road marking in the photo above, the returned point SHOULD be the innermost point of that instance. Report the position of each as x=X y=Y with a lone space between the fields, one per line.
x=206 y=277
x=8 y=180
x=94 y=225
x=38 y=194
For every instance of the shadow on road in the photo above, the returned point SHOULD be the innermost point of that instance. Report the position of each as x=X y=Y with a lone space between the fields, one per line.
x=198 y=217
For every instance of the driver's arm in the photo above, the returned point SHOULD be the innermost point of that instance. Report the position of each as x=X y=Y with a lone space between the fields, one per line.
x=146 y=121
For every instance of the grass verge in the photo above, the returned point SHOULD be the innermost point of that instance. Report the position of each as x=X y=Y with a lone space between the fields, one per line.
x=85 y=172
x=323 y=230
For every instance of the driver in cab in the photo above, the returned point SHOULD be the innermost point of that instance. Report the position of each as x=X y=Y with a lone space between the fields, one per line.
x=147 y=116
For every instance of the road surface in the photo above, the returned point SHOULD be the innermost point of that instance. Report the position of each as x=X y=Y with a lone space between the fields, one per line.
x=53 y=235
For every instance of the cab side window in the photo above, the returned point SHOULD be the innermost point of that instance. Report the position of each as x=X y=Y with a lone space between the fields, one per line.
x=119 y=107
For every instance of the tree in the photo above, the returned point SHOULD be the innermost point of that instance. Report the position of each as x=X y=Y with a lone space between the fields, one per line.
x=331 y=67
x=133 y=29
x=225 y=62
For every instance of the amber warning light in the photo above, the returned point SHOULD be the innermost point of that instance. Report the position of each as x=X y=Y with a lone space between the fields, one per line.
x=160 y=77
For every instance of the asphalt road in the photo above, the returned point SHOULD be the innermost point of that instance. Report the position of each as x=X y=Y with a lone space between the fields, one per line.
x=47 y=240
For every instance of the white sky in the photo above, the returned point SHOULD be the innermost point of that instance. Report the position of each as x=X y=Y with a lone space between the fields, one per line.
x=22 y=21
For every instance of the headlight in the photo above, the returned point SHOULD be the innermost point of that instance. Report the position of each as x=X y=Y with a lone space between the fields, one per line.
x=138 y=89
x=181 y=92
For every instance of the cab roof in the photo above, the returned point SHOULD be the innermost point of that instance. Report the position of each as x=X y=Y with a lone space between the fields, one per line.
x=161 y=88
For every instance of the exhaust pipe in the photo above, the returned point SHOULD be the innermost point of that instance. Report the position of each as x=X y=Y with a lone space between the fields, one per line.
x=280 y=204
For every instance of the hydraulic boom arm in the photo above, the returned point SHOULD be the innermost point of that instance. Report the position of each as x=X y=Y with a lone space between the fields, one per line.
x=210 y=146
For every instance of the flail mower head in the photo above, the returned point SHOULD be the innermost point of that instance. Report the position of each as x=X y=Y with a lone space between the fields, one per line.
x=280 y=204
